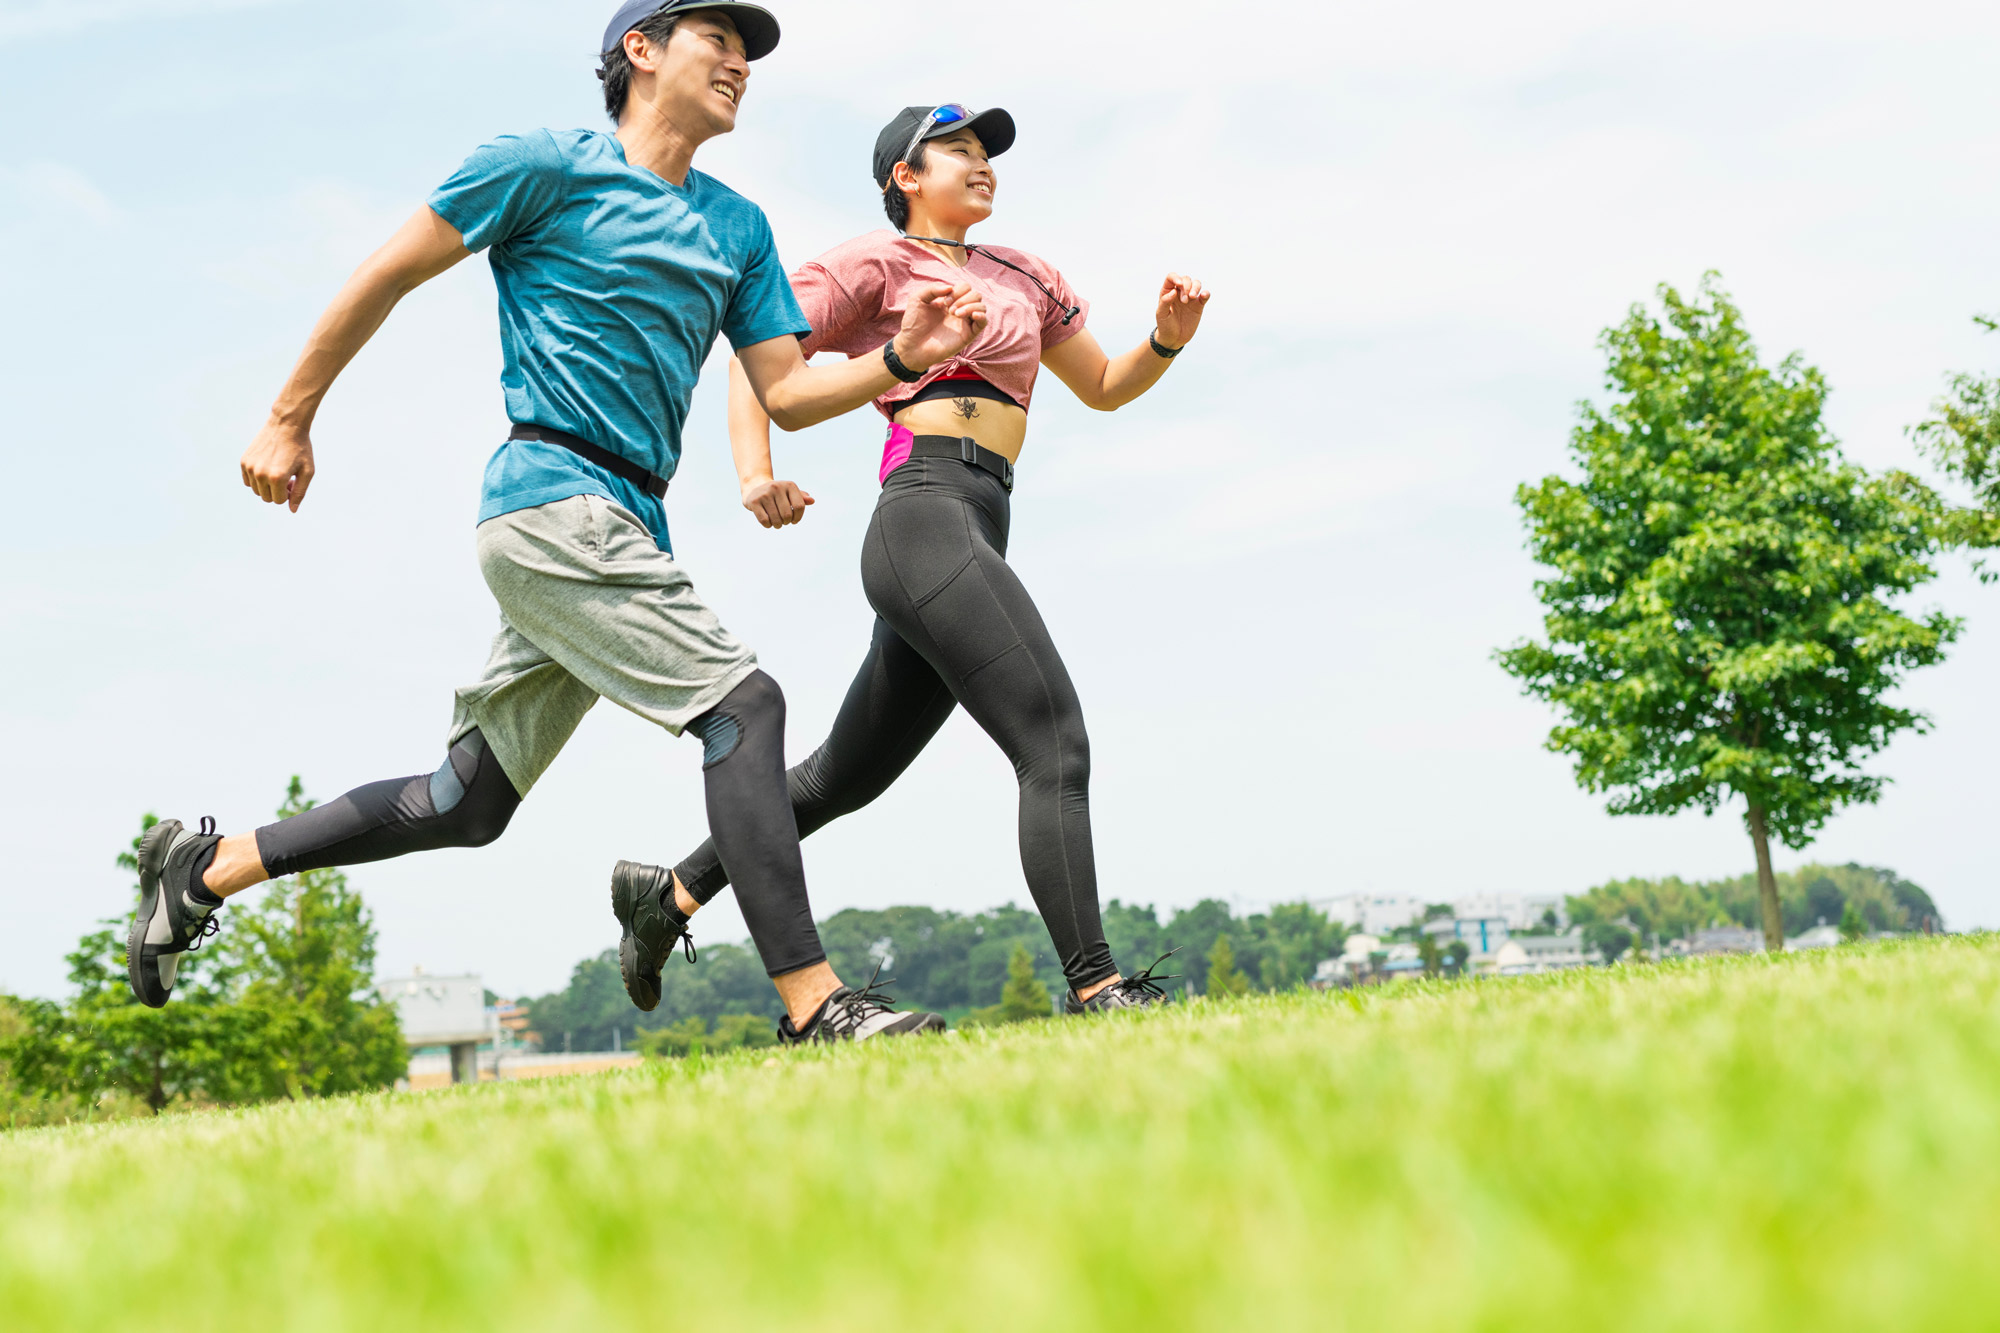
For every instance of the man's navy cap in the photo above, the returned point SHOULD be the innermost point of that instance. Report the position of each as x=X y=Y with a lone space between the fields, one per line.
x=757 y=26
x=994 y=127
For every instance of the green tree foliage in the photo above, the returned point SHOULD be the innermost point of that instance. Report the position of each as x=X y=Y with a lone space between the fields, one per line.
x=1674 y=908
x=115 y=1048
x=730 y=1031
x=282 y=1004
x=299 y=966
x=1455 y=955
x=1223 y=978
x=1852 y=926
x=1719 y=620
x=1429 y=954
x=1024 y=996
x=728 y=980
x=1964 y=440
x=955 y=964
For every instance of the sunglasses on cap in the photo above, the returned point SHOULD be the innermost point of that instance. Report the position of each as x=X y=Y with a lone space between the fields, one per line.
x=951 y=113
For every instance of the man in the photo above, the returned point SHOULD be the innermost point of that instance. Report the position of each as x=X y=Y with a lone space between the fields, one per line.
x=617 y=264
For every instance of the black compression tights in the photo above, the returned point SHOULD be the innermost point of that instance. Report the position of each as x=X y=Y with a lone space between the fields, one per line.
x=469 y=800
x=956 y=626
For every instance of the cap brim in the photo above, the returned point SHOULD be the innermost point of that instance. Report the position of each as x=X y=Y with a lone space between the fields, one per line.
x=994 y=127
x=757 y=26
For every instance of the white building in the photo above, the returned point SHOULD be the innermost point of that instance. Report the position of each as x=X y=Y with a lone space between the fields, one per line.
x=1372 y=913
x=1482 y=934
x=1525 y=955
x=1380 y=913
x=1521 y=911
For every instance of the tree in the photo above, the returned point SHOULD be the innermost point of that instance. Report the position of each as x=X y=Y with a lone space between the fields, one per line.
x=1024 y=996
x=114 y=1047
x=1964 y=440
x=1852 y=926
x=1455 y=955
x=1293 y=939
x=1429 y=954
x=1223 y=978
x=300 y=967
x=1673 y=908
x=1719 y=623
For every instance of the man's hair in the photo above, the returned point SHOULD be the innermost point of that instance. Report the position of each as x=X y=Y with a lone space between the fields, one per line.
x=894 y=202
x=617 y=71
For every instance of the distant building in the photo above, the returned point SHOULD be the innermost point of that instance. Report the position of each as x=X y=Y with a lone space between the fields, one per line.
x=1482 y=934
x=1727 y=939
x=1526 y=955
x=1372 y=913
x=1821 y=936
x=1521 y=911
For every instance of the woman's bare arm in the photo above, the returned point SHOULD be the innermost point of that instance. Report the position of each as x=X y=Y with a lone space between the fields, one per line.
x=1108 y=383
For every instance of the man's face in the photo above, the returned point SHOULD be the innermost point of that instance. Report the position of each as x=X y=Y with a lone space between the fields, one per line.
x=700 y=77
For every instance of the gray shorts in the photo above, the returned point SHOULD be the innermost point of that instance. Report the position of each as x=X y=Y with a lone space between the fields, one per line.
x=589 y=606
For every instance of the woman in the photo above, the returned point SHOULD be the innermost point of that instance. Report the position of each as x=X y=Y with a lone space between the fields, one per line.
x=954 y=625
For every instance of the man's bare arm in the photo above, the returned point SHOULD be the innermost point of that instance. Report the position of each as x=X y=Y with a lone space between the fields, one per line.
x=278 y=465
x=939 y=321
x=774 y=502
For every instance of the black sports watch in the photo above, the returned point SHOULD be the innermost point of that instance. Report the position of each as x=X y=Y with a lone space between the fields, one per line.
x=896 y=366
x=1159 y=347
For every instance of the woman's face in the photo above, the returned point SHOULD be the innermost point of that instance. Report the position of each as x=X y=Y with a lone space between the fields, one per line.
x=957 y=183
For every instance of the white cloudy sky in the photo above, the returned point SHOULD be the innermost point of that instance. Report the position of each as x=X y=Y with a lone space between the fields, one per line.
x=1277 y=580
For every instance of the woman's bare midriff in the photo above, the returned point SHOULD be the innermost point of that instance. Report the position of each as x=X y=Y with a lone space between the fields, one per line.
x=1001 y=427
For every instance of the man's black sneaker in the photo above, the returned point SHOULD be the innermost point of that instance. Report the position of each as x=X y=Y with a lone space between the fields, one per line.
x=856 y=1015
x=169 y=921
x=642 y=899
x=1139 y=991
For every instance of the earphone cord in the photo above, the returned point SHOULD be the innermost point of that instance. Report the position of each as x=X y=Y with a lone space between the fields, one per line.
x=1069 y=312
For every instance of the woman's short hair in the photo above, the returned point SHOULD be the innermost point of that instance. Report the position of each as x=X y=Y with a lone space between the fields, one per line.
x=616 y=72
x=894 y=202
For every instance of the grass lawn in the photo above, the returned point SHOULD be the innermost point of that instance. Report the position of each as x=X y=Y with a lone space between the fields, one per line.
x=1807 y=1142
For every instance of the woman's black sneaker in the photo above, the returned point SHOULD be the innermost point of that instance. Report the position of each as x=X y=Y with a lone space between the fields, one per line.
x=170 y=919
x=642 y=898
x=1139 y=991
x=856 y=1015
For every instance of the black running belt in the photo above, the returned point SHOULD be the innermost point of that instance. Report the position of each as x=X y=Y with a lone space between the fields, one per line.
x=655 y=486
x=966 y=450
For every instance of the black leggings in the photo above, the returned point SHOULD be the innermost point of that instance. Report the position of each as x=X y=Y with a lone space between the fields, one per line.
x=469 y=800
x=955 y=626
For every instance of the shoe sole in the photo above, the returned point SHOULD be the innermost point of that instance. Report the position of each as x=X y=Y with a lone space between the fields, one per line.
x=639 y=987
x=153 y=849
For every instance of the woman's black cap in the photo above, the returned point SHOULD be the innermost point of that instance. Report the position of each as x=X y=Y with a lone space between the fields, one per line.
x=994 y=127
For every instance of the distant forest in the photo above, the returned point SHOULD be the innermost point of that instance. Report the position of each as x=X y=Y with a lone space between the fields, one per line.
x=955 y=963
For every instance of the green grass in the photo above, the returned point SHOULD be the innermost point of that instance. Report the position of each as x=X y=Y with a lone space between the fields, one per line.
x=1806 y=1142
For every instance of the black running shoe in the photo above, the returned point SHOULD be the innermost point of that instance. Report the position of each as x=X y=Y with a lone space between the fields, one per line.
x=857 y=1015
x=642 y=900
x=169 y=921
x=1139 y=991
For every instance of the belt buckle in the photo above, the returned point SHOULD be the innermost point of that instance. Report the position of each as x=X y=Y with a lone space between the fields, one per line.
x=1008 y=480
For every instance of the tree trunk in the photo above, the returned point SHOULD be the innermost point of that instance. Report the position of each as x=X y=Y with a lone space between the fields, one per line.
x=1767 y=883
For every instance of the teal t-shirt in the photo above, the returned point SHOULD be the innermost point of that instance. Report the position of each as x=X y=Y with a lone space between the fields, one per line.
x=613 y=284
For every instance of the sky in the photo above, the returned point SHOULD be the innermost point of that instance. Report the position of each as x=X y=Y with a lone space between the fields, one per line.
x=1278 y=579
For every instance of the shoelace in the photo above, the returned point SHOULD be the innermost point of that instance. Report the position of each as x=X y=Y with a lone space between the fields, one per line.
x=1147 y=982
x=210 y=924
x=665 y=893
x=858 y=1006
